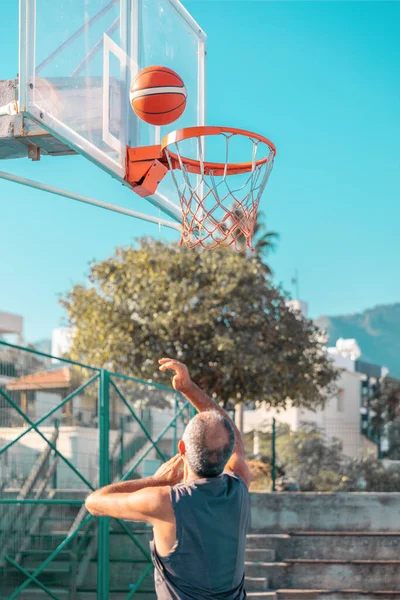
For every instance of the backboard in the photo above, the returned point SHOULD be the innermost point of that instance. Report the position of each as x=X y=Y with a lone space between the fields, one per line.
x=77 y=61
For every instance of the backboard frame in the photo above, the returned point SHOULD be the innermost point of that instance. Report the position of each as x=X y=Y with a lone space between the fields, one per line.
x=128 y=53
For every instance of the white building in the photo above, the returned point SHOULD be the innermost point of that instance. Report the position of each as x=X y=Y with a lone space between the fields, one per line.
x=341 y=416
x=298 y=306
x=61 y=341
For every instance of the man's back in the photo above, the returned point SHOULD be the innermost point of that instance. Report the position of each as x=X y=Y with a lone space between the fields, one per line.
x=207 y=562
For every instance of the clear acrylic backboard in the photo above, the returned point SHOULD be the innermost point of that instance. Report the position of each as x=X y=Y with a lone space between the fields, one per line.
x=77 y=61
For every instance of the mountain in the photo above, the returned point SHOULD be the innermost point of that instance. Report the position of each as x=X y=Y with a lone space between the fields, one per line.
x=376 y=330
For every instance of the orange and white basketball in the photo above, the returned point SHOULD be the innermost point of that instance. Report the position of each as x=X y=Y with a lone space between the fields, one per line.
x=158 y=95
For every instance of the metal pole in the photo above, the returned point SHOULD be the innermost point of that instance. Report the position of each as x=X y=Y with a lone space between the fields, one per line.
x=86 y=200
x=121 y=447
x=56 y=426
x=103 y=556
x=273 y=460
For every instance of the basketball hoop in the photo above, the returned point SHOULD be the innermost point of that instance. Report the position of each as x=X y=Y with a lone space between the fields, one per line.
x=219 y=200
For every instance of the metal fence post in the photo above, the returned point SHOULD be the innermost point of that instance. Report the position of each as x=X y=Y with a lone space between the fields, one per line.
x=121 y=448
x=103 y=555
x=56 y=426
x=273 y=458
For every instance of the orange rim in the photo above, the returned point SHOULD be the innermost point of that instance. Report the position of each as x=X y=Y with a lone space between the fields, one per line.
x=194 y=166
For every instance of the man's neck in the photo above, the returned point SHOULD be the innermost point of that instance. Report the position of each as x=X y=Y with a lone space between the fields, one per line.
x=191 y=477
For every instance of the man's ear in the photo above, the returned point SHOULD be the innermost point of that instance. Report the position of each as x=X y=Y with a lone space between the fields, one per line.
x=182 y=452
x=181 y=447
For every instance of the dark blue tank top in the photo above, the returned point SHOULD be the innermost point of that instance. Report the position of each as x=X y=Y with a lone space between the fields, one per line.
x=207 y=560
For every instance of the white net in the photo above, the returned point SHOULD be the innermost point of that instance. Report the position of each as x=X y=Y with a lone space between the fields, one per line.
x=219 y=200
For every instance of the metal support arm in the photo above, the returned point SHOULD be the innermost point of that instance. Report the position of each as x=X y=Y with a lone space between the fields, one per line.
x=85 y=199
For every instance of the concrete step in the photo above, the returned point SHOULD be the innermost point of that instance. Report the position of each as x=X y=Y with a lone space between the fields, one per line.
x=122 y=547
x=256 y=584
x=260 y=554
x=137 y=528
x=123 y=550
x=332 y=595
x=266 y=540
x=122 y=575
x=50 y=541
x=281 y=544
x=61 y=525
x=63 y=593
x=341 y=546
x=48 y=524
x=344 y=545
x=53 y=574
x=330 y=575
x=275 y=572
x=42 y=554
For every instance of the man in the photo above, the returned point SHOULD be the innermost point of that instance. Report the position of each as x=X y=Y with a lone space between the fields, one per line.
x=200 y=523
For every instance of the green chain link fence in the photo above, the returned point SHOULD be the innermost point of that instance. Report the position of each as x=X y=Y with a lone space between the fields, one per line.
x=66 y=429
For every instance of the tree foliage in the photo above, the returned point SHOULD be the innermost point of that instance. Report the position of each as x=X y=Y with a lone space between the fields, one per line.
x=216 y=311
x=314 y=461
x=385 y=406
x=309 y=458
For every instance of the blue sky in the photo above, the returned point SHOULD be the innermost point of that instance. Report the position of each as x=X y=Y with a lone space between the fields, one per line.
x=321 y=79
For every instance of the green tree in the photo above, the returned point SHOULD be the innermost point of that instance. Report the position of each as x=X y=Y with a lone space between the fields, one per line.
x=310 y=458
x=317 y=463
x=385 y=407
x=368 y=474
x=216 y=311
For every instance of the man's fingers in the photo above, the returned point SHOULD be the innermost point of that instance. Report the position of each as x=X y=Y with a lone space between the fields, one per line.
x=175 y=366
x=175 y=459
x=171 y=361
x=162 y=361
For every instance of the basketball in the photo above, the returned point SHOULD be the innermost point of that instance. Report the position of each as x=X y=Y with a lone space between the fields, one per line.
x=158 y=95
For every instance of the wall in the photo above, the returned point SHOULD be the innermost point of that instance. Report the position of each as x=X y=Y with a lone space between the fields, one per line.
x=289 y=511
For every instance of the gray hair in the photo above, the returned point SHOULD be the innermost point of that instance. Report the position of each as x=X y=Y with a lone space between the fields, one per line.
x=205 y=462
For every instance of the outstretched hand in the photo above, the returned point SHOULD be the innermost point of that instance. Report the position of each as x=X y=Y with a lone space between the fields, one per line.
x=181 y=380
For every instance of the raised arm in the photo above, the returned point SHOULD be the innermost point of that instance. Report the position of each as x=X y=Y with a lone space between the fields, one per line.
x=202 y=402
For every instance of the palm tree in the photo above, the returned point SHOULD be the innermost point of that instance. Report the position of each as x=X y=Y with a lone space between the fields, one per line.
x=264 y=242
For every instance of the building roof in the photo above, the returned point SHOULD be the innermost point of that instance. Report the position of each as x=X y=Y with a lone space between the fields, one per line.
x=43 y=380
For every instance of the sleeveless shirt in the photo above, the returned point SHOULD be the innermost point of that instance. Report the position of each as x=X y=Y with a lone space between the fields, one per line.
x=207 y=560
